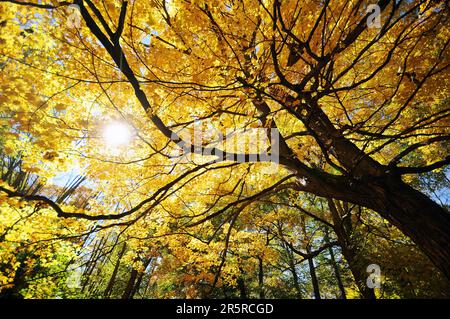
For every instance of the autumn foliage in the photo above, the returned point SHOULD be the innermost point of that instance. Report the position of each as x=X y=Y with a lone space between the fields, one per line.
x=116 y=182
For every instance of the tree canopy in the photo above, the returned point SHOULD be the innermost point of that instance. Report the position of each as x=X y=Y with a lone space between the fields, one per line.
x=205 y=148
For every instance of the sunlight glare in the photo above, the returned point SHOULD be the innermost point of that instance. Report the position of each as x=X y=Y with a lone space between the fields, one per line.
x=117 y=133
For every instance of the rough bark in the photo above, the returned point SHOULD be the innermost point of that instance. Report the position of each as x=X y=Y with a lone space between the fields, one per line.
x=367 y=183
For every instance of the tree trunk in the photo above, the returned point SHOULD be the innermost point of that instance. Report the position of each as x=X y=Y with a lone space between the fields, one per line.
x=130 y=284
x=241 y=284
x=355 y=260
x=421 y=219
x=358 y=272
x=139 y=279
x=112 y=280
x=261 y=278
x=294 y=274
x=242 y=288
x=312 y=271
x=149 y=283
x=413 y=213
x=375 y=186
x=337 y=272
x=92 y=263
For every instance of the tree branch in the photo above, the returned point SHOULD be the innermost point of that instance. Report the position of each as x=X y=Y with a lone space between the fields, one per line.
x=39 y=5
x=422 y=169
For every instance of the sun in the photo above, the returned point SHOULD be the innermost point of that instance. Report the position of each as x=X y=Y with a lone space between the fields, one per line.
x=117 y=134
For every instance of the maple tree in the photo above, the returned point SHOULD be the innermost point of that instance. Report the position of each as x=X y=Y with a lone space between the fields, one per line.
x=361 y=113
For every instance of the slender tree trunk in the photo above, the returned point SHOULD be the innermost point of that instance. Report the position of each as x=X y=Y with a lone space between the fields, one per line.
x=312 y=271
x=294 y=274
x=335 y=266
x=112 y=280
x=337 y=273
x=139 y=279
x=261 y=278
x=312 y=268
x=241 y=285
x=242 y=288
x=130 y=285
x=356 y=262
x=149 y=283
x=92 y=263
x=296 y=283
